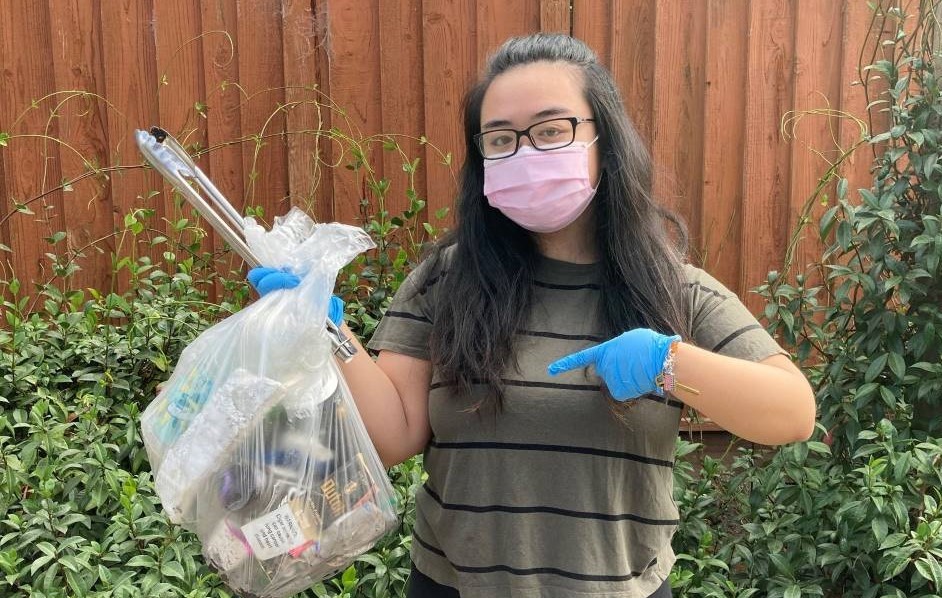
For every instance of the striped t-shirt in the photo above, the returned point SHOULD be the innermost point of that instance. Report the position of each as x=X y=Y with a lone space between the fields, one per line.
x=553 y=496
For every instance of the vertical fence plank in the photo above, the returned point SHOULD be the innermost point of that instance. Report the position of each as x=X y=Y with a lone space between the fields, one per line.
x=818 y=33
x=677 y=132
x=224 y=97
x=301 y=55
x=403 y=112
x=325 y=152
x=181 y=89
x=723 y=134
x=355 y=87
x=555 y=16
x=77 y=65
x=448 y=50
x=180 y=69
x=592 y=23
x=131 y=85
x=261 y=75
x=5 y=202
x=497 y=21
x=32 y=165
x=860 y=39
x=766 y=165
x=632 y=59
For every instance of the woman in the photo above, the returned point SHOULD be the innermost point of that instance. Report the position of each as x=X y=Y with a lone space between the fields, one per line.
x=540 y=357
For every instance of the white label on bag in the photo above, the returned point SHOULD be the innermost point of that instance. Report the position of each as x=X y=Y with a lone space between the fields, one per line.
x=274 y=534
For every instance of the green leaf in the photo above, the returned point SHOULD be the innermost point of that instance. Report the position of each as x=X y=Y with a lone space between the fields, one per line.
x=781 y=563
x=897 y=565
x=876 y=367
x=56 y=237
x=4 y=138
x=897 y=364
x=46 y=548
x=827 y=222
x=930 y=569
x=793 y=591
x=843 y=235
x=370 y=559
x=818 y=447
x=349 y=578
x=879 y=527
x=929 y=165
x=842 y=188
x=142 y=560
x=893 y=540
x=172 y=569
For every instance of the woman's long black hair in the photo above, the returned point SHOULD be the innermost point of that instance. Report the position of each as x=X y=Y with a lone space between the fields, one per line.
x=484 y=298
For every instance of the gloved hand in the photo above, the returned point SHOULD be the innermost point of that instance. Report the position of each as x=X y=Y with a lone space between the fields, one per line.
x=265 y=280
x=629 y=364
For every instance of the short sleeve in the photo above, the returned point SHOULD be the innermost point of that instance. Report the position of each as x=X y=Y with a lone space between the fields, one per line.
x=407 y=324
x=721 y=323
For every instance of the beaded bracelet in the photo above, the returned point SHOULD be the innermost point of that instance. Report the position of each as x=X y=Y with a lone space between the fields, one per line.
x=666 y=379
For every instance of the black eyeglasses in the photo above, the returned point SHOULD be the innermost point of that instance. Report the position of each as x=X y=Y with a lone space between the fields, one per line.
x=544 y=136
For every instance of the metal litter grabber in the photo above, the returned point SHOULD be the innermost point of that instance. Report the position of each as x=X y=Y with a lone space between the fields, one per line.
x=172 y=161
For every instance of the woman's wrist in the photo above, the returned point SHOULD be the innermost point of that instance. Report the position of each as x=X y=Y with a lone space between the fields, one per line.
x=667 y=380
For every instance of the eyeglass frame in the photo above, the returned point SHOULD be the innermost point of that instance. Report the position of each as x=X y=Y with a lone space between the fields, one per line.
x=575 y=121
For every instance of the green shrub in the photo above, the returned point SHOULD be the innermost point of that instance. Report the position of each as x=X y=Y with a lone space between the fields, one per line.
x=78 y=514
x=78 y=511
x=855 y=511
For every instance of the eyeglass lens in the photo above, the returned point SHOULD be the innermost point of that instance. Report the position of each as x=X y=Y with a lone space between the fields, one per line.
x=546 y=135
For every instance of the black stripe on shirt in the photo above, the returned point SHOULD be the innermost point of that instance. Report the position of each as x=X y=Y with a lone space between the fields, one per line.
x=559 y=386
x=407 y=316
x=565 y=337
x=525 y=384
x=428 y=546
x=546 y=510
x=529 y=571
x=735 y=335
x=663 y=400
x=553 y=448
x=566 y=287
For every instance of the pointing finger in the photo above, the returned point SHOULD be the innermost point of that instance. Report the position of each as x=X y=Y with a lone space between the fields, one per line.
x=580 y=359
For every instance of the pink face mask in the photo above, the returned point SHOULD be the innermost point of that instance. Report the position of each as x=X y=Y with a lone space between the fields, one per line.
x=542 y=191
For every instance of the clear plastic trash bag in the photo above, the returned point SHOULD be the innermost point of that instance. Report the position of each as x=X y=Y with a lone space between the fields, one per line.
x=255 y=442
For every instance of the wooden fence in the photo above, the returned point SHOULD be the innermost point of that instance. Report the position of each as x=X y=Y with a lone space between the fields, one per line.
x=708 y=83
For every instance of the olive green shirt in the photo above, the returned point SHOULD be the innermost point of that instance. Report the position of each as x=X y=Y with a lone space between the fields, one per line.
x=554 y=497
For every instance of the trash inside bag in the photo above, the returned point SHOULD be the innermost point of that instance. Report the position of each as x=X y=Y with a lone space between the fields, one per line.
x=255 y=442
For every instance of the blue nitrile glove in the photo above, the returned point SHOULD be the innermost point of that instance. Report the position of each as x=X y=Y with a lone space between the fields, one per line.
x=629 y=364
x=265 y=280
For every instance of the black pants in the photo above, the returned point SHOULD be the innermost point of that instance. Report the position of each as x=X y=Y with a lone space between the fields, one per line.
x=421 y=586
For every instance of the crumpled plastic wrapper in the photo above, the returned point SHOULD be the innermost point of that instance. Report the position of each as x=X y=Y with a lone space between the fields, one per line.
x=255 y=441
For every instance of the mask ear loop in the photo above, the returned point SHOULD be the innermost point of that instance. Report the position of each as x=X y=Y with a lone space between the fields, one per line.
x=601 y=170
